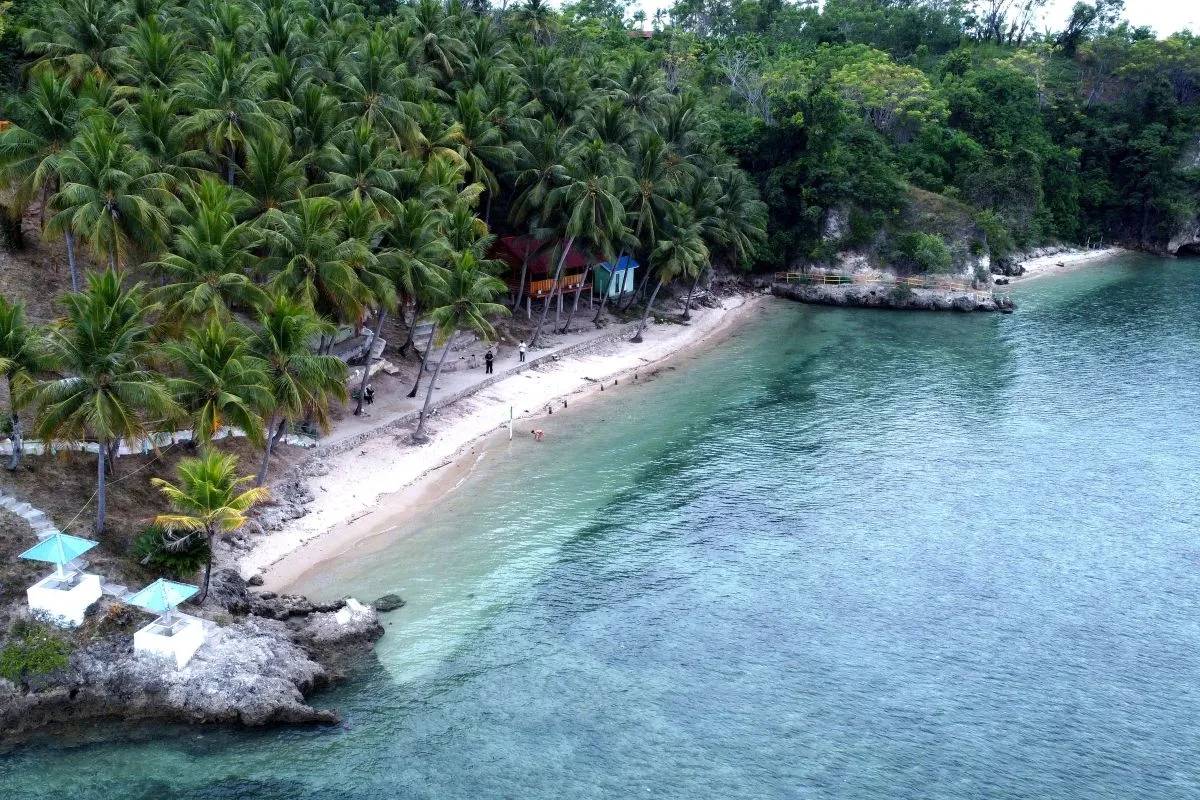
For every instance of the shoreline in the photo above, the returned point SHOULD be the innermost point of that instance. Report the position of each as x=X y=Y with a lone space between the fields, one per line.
x=355 y=490
x=1062 y=261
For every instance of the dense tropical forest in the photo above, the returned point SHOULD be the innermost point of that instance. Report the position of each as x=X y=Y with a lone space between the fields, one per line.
x=228 y=183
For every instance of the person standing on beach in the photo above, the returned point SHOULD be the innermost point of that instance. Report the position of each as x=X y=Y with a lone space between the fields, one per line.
x=487 y=360
x=521 y=352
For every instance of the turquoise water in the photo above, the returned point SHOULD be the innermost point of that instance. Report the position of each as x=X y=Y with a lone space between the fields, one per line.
x=850 y=554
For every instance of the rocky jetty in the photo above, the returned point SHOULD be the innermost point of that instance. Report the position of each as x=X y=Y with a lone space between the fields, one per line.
x=263 y=656
x=882 y=296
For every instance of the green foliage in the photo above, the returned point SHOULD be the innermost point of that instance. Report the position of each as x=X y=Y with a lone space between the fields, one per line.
x=32 y=649
x=924 y=252
x=176 y=557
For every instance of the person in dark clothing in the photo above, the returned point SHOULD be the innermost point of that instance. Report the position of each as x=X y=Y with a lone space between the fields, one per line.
x=487 y=360
x=369 y=394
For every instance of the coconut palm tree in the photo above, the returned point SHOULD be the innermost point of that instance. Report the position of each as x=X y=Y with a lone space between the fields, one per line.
x=480 y=144
x=107 y=391
x=153 y=127
x=152 y=56
x=467 y=304
x=361 y=164
x=110 y=197
x=45 y=120
x=220 y=382
x=208 y=267
x=81 y=36
x=271 y=176
x=587 y=208
x=437 y=36
x=681 y=252
x=22 y=357
x=301 y=382
x=208 y=500
x=375 y=266
x=543 y=168
x=538 y=19
x=309 y=258
x=417 y=252
x=224 y=92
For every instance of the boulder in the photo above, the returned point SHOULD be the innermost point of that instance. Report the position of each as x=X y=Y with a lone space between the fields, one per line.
x=388 y=602
x=227 y=589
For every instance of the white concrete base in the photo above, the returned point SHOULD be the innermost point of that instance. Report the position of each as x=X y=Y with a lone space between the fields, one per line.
x=64 y=603
x=179 y=642
x=346 y=614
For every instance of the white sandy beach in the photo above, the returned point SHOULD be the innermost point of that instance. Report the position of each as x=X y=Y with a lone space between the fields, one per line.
x=381 y=461
x=1065 y=261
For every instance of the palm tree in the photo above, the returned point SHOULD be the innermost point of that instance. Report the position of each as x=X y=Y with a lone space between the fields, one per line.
x=543 y=170
x=480 y=143
x=538 y=19
x=682 y=252
x=309 y=257
x=208 y=501
x=375 y=267
x=110 y=195
x=417 y=251
x=22 y=356
x=82 y=36
x=220 y=382
x=153 y=126
x=361 y=164
x=271 y=176
x=301 y=382
x=108 y=391
x=45 y=119
x=225 y=94
x=588 y=209
x=207 y=268
x=152 y=57
x=370 y=92
x=439 y=45
x=466 y=305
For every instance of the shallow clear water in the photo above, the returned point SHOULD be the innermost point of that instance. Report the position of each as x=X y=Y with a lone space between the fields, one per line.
x=849 y=554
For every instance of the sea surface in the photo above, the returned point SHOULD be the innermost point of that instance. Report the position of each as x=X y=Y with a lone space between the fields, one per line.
x=847 y=554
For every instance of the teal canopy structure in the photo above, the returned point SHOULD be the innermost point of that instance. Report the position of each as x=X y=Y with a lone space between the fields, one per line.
x=162 y=596
x=59 y=549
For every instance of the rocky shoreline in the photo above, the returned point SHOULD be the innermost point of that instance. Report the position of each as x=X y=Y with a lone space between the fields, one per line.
x=879 y=296
x=263 y=657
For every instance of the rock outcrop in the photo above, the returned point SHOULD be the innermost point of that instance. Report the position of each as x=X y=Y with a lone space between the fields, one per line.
x=256 y=668
x=880 y=296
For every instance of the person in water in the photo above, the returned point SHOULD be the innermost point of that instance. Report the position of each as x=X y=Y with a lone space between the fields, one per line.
x=538 y=434
x=487 y=361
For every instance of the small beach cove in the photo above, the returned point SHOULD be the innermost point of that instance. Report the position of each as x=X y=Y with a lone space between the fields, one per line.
x=846 y=554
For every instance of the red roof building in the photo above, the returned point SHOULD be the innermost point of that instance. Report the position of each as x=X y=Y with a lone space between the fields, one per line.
x=540 y=262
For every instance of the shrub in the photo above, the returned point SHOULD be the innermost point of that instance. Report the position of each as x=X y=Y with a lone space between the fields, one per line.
x=926 y=251
x=901 y=292
x=33 y=649
x=177 y=559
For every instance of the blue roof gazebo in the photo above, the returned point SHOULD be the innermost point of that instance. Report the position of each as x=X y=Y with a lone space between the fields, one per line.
x=616 y=279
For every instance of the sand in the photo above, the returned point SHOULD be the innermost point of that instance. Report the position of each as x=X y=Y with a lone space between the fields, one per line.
x=1065 y=261
x=384 y=475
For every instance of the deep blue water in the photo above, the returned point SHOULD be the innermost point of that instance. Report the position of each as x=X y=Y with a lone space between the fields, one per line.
x=848 y=554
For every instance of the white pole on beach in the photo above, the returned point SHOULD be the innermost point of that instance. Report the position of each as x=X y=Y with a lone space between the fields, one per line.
x=510 y=423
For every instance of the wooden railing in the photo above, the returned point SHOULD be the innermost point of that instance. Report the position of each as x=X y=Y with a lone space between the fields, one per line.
x=942 y=283
x=543 y=288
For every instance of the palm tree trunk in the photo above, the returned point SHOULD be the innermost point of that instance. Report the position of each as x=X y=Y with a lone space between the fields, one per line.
x=15 y=461
x=608 y=288
x=207 y=569
x=101 y=451
x=687 y=308
x=231 y=158
x=521 y=283
x=557 y=276
x=637 y=337
x=112 y=257
x=271 y=440
x=409 y=338
x=70 y=237
x=640 y=291
x=575 y=302
x=362 y=387
x=419 y=435
x=424 y=360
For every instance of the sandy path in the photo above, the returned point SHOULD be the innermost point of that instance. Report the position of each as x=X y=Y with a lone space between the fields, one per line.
x=377 y=460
